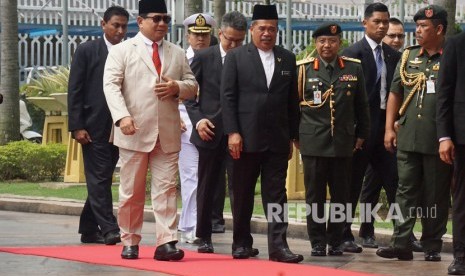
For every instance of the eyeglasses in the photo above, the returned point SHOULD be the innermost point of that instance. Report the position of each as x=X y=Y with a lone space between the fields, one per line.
x=157 y=18
x=393 y=36
x=230 y=40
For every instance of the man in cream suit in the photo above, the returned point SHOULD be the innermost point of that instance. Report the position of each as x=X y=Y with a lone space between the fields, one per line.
x=143 y=81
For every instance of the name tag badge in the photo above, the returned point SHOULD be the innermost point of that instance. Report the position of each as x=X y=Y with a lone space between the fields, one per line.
x=430 y=87
x=285 y=73
x=317 y=97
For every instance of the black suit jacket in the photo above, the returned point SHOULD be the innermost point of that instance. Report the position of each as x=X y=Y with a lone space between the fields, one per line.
x=450 y=113
x=266 y=118
x=362 y=50
x=207 y=67
x=87 y=107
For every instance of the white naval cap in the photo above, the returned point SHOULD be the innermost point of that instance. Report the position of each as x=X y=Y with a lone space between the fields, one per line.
x=199 y=23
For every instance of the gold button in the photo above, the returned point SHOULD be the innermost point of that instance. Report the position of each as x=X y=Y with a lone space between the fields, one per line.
x=427 y=69
x=419 y=116
x=349 y=86
x=332 y=94
x=348 y=93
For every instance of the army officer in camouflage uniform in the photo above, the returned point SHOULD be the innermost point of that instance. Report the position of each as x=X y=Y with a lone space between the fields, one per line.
x=424 y=179
x=334 y=114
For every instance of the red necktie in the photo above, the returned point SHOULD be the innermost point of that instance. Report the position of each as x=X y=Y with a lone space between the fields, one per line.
x=156 y=58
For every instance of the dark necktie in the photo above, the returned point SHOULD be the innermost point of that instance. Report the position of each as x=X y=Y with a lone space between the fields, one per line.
x=379 y=62
x=156 y=58
x=330 y=70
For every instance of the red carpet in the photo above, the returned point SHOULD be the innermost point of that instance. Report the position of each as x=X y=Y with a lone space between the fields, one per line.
x=192 y=264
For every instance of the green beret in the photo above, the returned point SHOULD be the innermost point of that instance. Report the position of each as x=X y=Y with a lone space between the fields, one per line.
x=431 y=12
x=330 y=29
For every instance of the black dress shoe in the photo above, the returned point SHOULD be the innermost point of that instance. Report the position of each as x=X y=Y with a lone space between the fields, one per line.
x=432 y=256
x=168 y=252
x=319 y=250
x=241 y=253
x=284 y=255
x=112 y=238
x=92 y=238
x=416 y=246
x=130 y=252
x=218 y=228
x=369 y=242
x=391 y=253
x=335 y=250
x=351 y=247
x=205 y=246
x=457 y=267
x=254 y=252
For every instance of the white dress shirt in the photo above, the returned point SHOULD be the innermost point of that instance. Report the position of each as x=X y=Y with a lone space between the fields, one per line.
x=268 y=64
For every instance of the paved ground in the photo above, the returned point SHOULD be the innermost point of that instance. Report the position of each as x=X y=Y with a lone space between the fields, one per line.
x=31 y=227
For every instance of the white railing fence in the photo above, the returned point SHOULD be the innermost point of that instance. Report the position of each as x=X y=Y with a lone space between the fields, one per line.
x=46 y=50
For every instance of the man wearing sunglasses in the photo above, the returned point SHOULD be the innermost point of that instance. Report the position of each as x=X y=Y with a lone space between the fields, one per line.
x=143 y=81
x=395 y=36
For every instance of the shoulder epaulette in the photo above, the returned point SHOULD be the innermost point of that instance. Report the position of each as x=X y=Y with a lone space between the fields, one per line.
x=413 y=46
x=351 y=59
x=305 y=60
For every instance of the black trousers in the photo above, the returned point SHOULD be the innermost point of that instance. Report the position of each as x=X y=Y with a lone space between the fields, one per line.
x=319 y=172
x=383 y=165
x=220 y=195
x=272 y=168
x=458 y=201
x=100 y=160
x=212 y=164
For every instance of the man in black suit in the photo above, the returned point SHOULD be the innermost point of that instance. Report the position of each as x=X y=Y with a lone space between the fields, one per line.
x=205 y=115
x=378 y=77
x=450 y=122
x=90 y=123
x=261 y=115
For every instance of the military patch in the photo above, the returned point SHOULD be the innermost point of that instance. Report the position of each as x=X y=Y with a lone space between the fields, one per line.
x=429 y=12
x=348 y=78
x=305 y=60
x=333 y=29
x=351 y=59
x=415 y=61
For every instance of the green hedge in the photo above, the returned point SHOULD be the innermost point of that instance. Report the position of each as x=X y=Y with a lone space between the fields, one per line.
x=31 y=161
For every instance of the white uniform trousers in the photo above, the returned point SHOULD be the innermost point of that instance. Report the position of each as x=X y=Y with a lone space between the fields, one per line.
x=188 y=171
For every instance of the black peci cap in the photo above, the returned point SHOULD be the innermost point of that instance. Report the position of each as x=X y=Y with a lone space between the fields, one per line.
x=264 y=12
x=156 y=6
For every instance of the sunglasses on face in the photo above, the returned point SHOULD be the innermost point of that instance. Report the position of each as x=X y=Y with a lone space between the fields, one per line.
x=157 y=18
x=393 y=36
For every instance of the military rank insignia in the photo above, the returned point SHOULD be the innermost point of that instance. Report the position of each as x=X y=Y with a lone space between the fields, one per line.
x=348 y=78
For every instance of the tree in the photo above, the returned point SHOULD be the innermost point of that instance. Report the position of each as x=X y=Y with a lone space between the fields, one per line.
x=450 y=7
x=9 y=68
x=220 y=10
x=192 y=6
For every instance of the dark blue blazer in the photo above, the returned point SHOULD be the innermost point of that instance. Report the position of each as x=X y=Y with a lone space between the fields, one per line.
x=362 y=50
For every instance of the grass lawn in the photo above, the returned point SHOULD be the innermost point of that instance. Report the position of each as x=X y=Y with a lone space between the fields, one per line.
x=79 y=192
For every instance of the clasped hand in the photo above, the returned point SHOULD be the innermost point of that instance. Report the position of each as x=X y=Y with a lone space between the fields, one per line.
x=168 y=88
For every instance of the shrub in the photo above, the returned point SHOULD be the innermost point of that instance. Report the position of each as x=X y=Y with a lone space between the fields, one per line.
x=32 y=162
